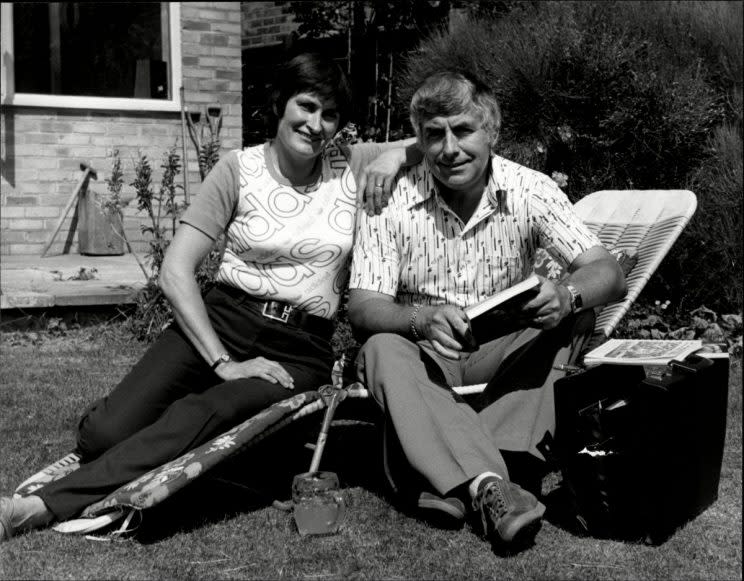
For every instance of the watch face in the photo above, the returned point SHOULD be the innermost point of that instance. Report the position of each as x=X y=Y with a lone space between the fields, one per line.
x=224 y=358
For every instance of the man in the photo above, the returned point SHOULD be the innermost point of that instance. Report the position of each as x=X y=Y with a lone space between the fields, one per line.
x=464 y=224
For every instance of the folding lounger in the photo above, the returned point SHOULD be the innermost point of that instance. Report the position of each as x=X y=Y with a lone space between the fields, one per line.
x=642 y=224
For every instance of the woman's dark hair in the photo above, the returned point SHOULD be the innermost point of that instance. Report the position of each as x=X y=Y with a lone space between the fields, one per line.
x=309 y=73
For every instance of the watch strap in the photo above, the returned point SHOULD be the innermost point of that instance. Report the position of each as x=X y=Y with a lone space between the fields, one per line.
x=576 y=301
x=224 y=358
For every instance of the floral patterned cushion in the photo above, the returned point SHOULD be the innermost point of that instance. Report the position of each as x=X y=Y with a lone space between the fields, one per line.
x=160 y=483
x=554 y=269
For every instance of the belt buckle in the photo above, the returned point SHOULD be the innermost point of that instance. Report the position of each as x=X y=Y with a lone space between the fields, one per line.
x=270 y=312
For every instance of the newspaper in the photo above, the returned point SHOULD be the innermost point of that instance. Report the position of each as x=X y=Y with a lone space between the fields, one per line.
x=641 y=351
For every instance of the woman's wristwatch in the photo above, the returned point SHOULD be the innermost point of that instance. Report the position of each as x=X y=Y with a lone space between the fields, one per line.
x=224 y=358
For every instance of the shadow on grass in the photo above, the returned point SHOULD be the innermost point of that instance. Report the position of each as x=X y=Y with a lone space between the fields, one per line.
x=253 y=480
x=262 y=474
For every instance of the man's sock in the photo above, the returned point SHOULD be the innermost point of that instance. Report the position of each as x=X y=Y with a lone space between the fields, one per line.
x=476 y=482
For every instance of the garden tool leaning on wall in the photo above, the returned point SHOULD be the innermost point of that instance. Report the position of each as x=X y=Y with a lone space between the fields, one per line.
x=207 y=150
x=80 y=187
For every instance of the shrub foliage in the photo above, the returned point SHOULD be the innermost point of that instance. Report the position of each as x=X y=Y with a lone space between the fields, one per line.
x=618 y=95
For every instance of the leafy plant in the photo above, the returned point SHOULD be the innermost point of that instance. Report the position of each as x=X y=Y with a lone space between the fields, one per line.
x=152 y=311
x=656 y=321
x=113 y=204
x=713 y=239
x=160 y=207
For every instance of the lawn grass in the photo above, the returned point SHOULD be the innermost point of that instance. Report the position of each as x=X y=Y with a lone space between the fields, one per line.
x=216 y=530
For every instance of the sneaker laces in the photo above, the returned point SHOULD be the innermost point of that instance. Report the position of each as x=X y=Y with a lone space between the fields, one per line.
x=490 y=499
x=71 y=458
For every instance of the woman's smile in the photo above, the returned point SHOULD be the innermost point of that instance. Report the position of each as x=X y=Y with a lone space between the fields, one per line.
x=309 y=136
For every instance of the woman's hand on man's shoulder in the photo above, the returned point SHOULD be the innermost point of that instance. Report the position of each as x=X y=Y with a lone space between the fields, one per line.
x=378 y=179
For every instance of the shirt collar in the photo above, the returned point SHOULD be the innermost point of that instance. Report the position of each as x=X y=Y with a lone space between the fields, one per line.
x=425 y=187
x=496 y=190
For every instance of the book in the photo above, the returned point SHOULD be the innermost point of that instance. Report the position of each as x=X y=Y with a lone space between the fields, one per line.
x=641 y=351
x=499 y=314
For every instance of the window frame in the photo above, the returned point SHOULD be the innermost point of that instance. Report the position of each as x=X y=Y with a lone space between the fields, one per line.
x=10 y=97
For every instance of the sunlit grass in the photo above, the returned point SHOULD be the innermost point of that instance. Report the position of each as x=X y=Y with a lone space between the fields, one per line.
x=221 y=531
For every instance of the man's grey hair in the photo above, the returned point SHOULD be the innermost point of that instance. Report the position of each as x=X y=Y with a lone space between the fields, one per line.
x=449 y=93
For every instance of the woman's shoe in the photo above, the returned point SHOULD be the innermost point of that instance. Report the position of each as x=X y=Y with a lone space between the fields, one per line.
x=6 y=516
x=53 y=472
x=20 y=514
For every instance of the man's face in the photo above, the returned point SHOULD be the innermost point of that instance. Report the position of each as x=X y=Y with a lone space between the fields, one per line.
x=457 y=149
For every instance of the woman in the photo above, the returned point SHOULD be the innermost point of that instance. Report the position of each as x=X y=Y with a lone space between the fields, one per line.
x=287 y=209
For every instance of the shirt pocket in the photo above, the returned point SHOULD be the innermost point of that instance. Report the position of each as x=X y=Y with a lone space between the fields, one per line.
x=499 y=272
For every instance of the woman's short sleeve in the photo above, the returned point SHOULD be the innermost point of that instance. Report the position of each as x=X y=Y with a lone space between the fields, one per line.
x=213 y=209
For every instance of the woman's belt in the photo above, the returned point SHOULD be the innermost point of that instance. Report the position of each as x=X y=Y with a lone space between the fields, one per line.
x=284 y=312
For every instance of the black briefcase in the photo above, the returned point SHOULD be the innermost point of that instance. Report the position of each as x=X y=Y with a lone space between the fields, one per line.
x=641 y=453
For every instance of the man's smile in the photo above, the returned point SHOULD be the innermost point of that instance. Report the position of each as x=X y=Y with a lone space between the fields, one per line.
x=454 y=165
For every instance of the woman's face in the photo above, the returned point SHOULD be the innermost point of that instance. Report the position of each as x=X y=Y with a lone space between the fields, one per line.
x=308 y=122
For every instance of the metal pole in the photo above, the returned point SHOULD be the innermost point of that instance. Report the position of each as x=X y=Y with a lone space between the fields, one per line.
x=348 y=39
x=186 y=196
x=389 y=98
x=337 y=379
x=323 y=435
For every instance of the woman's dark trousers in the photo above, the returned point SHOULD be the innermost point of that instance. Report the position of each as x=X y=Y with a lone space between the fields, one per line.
x=172 y=402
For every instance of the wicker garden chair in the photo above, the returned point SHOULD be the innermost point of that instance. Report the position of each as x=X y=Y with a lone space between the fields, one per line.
x=642 y=224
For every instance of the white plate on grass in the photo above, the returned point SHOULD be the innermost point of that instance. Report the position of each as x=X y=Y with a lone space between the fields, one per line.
x=81 y=526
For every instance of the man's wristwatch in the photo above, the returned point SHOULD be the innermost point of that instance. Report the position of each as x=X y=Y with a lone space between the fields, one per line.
x=576 y=301
x=224 y=358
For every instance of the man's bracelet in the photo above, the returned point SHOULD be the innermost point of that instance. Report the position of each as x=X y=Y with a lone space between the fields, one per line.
x=412 y=323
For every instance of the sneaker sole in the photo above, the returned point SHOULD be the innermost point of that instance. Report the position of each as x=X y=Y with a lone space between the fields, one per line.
x=434 y=506
x=524 y=526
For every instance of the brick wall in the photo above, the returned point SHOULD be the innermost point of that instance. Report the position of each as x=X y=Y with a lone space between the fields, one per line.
x=43 y=147
x=266 y=23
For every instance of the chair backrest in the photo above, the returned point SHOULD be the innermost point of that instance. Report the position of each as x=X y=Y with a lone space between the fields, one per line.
x=645 y=221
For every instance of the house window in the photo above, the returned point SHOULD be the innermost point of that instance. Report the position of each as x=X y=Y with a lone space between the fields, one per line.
x=101 y=55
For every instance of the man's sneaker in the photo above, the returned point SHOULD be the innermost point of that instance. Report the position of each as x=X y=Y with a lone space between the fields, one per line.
x=446 y=512
x=508 y=513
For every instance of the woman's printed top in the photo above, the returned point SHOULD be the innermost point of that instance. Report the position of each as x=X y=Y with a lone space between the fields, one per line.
x=283 y=242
